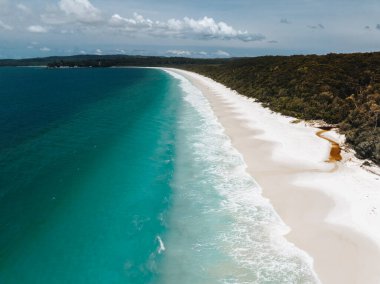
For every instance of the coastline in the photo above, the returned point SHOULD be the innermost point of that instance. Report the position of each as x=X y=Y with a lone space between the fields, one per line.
x=331 y=208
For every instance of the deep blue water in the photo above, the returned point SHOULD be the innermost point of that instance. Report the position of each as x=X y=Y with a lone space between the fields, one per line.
x=126 y=176
x=85 y=169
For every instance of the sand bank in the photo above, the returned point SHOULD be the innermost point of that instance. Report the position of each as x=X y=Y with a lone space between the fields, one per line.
x=332 y=208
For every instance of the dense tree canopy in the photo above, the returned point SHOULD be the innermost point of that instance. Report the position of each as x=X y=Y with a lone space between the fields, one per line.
x=341 y=89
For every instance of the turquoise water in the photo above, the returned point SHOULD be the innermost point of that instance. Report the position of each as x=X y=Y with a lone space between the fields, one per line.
x=125 y=176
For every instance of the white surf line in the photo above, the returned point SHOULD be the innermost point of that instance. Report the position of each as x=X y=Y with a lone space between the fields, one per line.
x=308 y=260
x=340 y=232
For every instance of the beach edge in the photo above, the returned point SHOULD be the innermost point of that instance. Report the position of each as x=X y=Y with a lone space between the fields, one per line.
x=344 y=248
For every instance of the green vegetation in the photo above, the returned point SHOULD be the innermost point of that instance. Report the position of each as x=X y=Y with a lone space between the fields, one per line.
x=341 y=89
x=107 y=61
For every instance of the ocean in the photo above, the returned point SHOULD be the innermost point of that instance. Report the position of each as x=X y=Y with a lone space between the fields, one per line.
x=124 y=175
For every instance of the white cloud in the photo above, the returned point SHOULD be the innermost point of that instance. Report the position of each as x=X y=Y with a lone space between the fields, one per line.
x=199 y=54
x=37 y=29
x=81 y=10
x=120 y=51
x=45 y=49
x=98 y=51
x=205 y=28
x=118 y=21
x=176 y=52
x=23 y=8
x=4 y=26
x=84 y=15
x=137 y=22
x=221 y=53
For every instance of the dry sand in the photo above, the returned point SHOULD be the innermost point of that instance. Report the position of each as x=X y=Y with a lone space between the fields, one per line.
x=331 y=208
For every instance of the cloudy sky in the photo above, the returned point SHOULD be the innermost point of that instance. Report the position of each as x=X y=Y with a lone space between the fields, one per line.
x=195 y=28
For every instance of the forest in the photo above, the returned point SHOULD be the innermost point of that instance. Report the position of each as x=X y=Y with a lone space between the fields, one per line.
x=97 y=61
x=341 y=89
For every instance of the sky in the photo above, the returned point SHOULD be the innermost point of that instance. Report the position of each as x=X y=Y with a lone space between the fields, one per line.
x=191 y=28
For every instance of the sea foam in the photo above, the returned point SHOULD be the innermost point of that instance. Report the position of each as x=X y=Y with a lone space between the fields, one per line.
x=222 y=230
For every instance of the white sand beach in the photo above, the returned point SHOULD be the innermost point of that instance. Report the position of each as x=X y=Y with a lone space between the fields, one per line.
x=332 y=208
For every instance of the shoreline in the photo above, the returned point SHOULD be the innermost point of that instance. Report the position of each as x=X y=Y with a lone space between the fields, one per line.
x=331 y=208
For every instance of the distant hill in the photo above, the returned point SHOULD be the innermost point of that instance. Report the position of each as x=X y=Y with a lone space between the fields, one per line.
x=342 y=89
x=107 y=61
